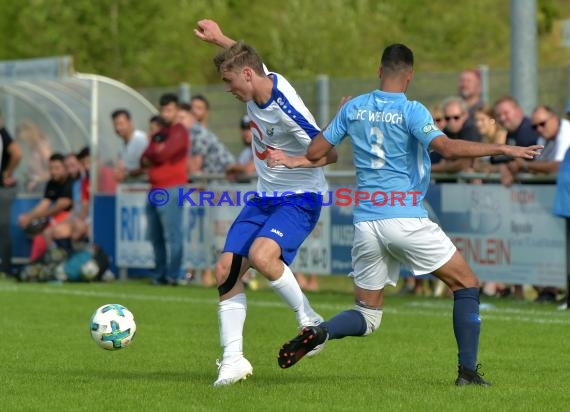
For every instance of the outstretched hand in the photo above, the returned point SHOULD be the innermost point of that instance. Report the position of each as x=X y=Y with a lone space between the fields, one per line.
x=209 y=31
x=529 y=152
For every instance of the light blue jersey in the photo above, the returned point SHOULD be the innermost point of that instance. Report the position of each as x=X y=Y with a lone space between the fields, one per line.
x=390 y=138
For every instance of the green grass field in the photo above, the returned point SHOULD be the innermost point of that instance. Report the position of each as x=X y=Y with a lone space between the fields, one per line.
x=49 y=362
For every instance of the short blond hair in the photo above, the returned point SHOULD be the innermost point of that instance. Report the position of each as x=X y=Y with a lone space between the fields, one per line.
x=238 y=56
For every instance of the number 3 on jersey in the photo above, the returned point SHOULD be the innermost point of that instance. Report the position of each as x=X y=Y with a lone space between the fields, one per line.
x=377 y=149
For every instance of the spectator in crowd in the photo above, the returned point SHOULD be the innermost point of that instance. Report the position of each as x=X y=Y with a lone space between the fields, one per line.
x=51 y=210
x=245 y=165
x=200 y=109
x=519 y=127
x=37 y=147
x=488 y=127
x=188 y=120
x=75 y=172
x=155 y=123
x=469 y=88
x=165 y=157
x=10 y=156
x=209 y=154
x=82 y=224
x=75 y=225
x=134 y=143
x=438 y=116
x=491 y=132
x=439 y=121
x=457 y=127
x=556 y=134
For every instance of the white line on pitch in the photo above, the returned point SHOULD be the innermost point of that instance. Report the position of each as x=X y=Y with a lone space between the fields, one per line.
x=433 y=306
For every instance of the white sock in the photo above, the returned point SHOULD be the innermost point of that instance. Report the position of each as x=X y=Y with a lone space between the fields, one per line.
x=231 y=313
x=288 y=288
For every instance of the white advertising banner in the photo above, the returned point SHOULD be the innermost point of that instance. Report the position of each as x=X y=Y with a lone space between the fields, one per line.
x=506 y=234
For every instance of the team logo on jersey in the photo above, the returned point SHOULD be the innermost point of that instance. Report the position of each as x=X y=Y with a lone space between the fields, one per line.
x=280 y=101
x=269 y=131
x=429 y=128
x=257 y=142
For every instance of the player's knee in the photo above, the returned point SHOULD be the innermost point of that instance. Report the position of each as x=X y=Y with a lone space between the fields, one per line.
x=372 y=317
x=228 y=273
x=222 y=271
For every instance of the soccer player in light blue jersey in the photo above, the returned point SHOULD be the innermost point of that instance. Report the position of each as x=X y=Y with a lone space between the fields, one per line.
x=391 y=139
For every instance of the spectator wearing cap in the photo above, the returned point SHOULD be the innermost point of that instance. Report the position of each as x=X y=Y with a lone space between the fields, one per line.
x=134 y=144
x=10 y=156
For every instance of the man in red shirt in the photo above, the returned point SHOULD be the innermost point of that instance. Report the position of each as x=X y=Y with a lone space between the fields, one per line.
x=165 y=157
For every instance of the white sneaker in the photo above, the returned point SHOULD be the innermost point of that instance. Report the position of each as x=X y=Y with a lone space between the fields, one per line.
x=315 y=322
x=233 y=370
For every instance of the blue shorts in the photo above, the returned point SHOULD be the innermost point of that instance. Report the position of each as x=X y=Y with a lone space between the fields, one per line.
x=287 y=220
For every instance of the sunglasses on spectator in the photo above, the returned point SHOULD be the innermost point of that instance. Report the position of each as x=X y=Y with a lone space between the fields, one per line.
x=448 y=118
x=540 y=124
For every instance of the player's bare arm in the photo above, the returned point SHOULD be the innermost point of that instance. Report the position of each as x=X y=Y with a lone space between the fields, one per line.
x=210 y=32
x=278 y=157
x=453 y=148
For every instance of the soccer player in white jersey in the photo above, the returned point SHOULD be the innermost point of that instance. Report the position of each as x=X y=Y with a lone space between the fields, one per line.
x=391 y=138
x=269 y=230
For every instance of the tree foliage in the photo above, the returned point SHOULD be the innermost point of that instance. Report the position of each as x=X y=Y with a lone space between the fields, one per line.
x=151 y=42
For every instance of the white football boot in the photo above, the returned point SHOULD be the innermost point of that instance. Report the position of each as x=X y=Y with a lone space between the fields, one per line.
x=233 y=370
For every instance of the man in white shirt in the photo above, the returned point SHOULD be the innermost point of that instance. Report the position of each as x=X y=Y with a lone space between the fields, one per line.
x=134 y=144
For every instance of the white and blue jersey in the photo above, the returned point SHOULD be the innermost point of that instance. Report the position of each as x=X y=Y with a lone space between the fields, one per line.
x=390 y=138
x=285 y=123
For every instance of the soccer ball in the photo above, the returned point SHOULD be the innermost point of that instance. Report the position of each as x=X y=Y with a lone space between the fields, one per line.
x=113 y=326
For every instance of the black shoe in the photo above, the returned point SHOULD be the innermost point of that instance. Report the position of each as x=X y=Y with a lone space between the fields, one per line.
x=307 y=340
x=468 y=377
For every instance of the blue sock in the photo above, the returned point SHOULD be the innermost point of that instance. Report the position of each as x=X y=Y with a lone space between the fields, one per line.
x=467 y=325
x=347 y=323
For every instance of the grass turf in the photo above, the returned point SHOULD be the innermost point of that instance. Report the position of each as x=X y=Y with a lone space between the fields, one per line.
x=48 y=361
